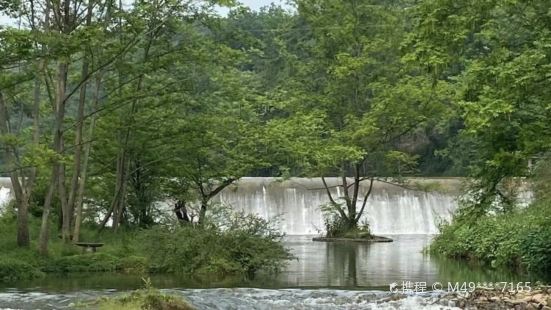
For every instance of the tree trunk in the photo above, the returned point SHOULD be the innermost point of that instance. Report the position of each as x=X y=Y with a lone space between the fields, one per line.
x=355 y=191
x=96 y=99
x=118 y=201
x=21 y=199
x=23 y=212
x=203 y=211
x=122 y=203
x=77 y=165
x=80 y=198
x=206 y=196
x=351 y=208
x=77 y=161
x=122 y=164
x=352 y=216
x=117 y=195
x=334 y=203
x=58 y=169
x=364 y=202
x=87 y=150
x=45 y=225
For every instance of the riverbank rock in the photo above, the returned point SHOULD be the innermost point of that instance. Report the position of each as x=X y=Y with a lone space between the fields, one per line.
x=487 y=298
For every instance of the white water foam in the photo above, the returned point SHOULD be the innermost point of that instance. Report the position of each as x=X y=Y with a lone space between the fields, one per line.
x=321 y=299
x=389 y=210
x=5 y=197
x=240 y=298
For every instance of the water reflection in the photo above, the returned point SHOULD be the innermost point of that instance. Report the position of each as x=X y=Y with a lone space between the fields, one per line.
x=379 y=264
x=319 y=264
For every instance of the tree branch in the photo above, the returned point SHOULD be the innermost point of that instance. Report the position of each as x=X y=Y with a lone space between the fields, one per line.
x=364 y=203
x=333 y=202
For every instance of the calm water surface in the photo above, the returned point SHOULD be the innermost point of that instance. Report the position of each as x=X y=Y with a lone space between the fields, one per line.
x=330 y=274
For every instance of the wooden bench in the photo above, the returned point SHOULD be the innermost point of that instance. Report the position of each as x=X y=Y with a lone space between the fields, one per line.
x=89 y=246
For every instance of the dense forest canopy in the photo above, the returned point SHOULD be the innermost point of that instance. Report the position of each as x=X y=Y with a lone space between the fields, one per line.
x=107 y=108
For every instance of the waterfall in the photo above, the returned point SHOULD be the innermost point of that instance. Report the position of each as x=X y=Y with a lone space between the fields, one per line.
x=390 y=209
x=296 y=203
x=5 y=192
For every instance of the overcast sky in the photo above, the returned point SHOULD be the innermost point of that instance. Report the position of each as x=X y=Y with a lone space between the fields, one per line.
x=257 y=4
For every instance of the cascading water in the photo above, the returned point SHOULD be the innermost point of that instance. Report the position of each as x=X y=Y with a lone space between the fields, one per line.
x=350 y=275
x=240 y=298
x=390 y=209
x=296 y=203
x=5 y=192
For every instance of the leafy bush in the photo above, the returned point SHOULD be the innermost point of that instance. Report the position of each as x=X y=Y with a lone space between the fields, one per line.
x=13 y=270
x=521 y=239
x=227 y=249
x=133 y=264
x=427 y=186
x=146 y=299
x=252 y=252
x=336 y=226
x=232 y=243
x=84 y=263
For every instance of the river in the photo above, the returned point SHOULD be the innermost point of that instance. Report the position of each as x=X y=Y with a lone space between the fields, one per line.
x=324 y=275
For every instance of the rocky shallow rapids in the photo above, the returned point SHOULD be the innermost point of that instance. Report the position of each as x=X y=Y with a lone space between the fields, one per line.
x=286 y=299
x=490 y=298
x=239 y=299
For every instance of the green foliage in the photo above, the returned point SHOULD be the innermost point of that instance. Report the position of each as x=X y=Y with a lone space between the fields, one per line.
x=254 y=252
x=13 y=269
x=133 y=264
x=181 y=103
x=243 y=245
x=336 y=227
x=145 y=299
x=351 y=106
x=427 y=186
x=228 y=243
x=541 y=178
x=517 y=240
x=365 y=108
x=84 y=263
x=495 y=55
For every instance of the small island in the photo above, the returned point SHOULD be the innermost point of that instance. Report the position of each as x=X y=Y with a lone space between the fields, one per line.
x=339 y=228
x=369 y=239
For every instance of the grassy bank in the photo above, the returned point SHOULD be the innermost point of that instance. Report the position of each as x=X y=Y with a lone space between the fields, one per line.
x=238 y=250
x=143 y=299
x=520 y=240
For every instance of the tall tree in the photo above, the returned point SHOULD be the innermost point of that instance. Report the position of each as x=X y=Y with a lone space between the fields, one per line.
x=496 y=54
x=366 y=99
x=20 y=101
